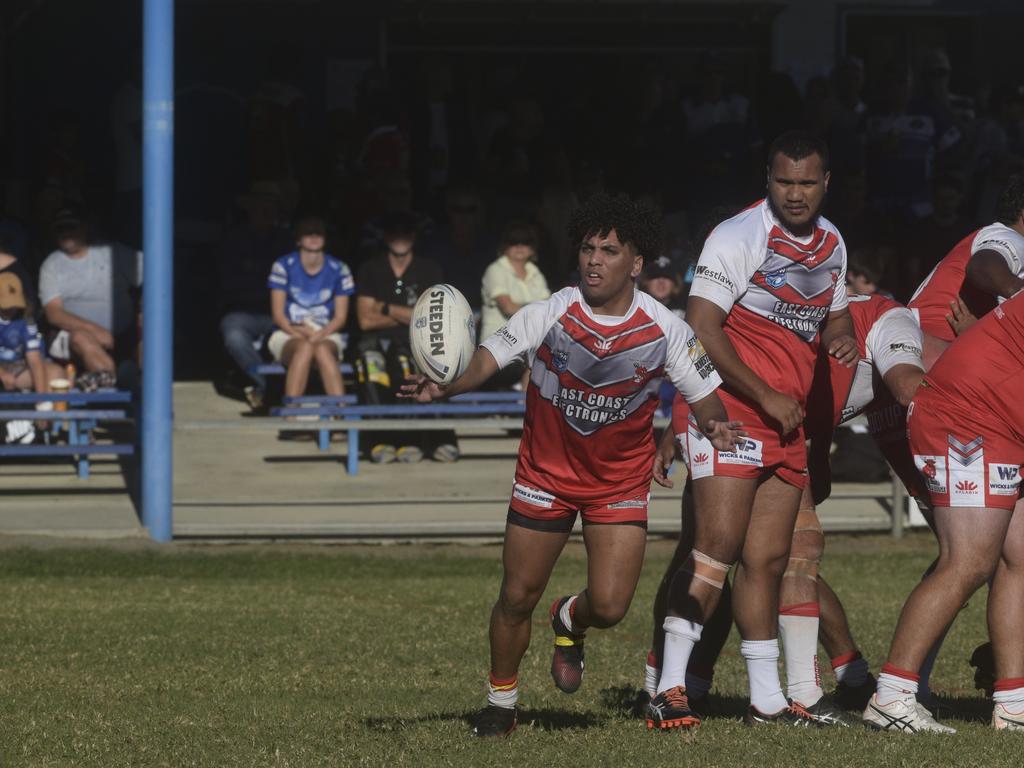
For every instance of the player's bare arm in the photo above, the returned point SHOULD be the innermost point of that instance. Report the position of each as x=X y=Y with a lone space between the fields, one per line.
x=903 y=381
x=837 y=337
x=481 y=367
x=663 y=458
x=706 y=318
x=988 y=272
x=714 y=423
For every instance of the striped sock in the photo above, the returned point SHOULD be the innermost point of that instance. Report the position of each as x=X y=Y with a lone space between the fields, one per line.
x=850 y=669
x=895 y=684
x=798 y=631
x=1009 y=692
x=502 y=692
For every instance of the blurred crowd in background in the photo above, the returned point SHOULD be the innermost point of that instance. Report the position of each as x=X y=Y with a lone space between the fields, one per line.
x=482 y=170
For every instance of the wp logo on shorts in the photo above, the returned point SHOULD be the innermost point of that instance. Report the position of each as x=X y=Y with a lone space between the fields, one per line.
x=1007 y=473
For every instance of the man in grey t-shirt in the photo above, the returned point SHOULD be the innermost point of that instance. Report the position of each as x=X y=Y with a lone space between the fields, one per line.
x=89 y=293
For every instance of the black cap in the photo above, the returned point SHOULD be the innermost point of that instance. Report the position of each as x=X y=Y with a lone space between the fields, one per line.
x=659 y=267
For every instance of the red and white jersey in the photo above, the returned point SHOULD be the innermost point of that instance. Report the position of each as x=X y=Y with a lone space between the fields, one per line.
x=777 y=289
x=593 y=391
x=979 y=376
x=932 y=298
x=887 y=335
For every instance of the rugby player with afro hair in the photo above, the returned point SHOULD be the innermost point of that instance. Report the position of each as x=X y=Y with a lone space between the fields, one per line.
x=597 y=353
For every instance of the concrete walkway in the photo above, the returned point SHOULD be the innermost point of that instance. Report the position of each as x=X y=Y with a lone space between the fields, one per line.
x=241 y=482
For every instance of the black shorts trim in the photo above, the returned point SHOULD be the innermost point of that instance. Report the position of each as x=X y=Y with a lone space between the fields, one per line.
x=561 y=524
x=557 y=525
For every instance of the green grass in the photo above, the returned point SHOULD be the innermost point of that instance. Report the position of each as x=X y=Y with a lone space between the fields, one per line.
x=377 y=656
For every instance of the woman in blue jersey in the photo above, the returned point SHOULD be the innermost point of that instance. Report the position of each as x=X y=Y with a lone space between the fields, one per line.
x=309 y=293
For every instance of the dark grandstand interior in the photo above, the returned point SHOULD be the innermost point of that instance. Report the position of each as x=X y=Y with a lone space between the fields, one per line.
x=545 y=103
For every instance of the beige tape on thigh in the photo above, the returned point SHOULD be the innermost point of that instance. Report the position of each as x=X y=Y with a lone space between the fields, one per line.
x=706 y=569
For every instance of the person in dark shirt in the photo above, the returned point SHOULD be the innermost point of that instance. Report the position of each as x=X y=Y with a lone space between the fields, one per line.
x=387 y=289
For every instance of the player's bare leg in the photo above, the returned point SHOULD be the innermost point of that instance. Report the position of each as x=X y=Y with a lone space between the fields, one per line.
x=798 y=606
x=854 y=681
x=799 y=617
x=615 y=556
x=722 y=514
x=701 y=666
x=528 y=557
x=1006 y=627
x=970 y=542
x=756 y=592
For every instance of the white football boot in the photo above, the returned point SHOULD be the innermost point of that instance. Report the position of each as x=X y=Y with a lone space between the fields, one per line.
x=899 y=716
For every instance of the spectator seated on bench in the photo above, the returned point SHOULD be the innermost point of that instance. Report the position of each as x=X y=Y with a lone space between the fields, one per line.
x=90 y=295
x=248 y=252
x=309 y=296
x=22 y=365
x=389 y=286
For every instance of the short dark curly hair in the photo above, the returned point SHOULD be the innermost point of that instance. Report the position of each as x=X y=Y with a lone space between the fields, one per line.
x=1011 y=200
x=636 y=222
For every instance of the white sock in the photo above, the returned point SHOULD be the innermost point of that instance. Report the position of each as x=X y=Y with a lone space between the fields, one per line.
x=799 y=636
x=762 y=657
x=680 y=637
x=1012 y=698
x=502 y=693
x=696 y=686
x=652 y=674
x=853 y=672
x=565 y=615
x=893 y=686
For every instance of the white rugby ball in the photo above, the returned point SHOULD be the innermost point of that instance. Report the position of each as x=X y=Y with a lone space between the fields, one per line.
x=442 y=333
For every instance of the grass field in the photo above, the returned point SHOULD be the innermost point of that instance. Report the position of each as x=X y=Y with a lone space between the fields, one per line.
x=294 y=656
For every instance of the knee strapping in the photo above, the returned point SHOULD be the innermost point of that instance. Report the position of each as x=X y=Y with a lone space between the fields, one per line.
x=706 y=569
x=805 y=554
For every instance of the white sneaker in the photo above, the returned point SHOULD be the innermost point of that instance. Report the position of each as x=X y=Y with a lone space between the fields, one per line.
x=1003 y=719
x=900 y=716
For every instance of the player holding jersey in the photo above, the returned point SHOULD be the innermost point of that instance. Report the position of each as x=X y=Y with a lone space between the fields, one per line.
x=597 y=354
x=983 y=269
x=966 y=427
x=768 y=282
x=889 y=343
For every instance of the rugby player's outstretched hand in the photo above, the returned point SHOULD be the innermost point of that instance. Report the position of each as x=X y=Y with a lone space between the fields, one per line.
x=844 y=349
x=960 y=318
x=663 y=459
x=783 y=409
x=421 y=389
x=724 y=435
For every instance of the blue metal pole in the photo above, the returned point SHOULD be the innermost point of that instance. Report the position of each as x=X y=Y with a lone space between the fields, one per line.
x=158 y=273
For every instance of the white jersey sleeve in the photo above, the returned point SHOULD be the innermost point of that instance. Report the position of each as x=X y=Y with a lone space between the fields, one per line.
x=894 y=339
x=839 y=298
x=525 y=330
x=687 y=364
x=1004 y=241
x=726 y=264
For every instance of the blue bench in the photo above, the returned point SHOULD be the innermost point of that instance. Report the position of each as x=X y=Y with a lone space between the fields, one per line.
x=276 y=369
x=333 y=416
x=79 y=421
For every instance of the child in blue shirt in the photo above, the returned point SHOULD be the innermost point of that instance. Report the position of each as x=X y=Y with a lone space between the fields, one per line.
x=309 y=296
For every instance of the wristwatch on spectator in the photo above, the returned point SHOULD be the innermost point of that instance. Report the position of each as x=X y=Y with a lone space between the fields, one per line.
x=385 y=309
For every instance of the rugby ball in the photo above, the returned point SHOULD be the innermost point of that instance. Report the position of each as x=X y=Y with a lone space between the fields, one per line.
x=442 y=333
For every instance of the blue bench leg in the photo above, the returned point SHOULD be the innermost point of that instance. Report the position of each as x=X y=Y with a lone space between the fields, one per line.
x=77 y=435
x=323 y=440
x=353 y=451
